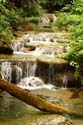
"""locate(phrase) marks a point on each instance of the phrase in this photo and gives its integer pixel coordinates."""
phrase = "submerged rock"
(27, 48)
(58, 120)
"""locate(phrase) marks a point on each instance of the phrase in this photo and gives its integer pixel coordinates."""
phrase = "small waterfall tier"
(57, 74)
(33, 82)
(14, 71)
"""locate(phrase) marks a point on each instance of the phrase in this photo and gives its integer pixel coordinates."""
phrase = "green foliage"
(3, 1)
(14, 18)
(72, 20)
(77, 7)
(6, 38)
(72, 23)
(33, 10)
(4, 24)
(32, 19)
(53, 5)
(75, 50)
(30, 7)
(42, 3)
(12, 13)
(77, 30)
(9, 19)
(61, 21)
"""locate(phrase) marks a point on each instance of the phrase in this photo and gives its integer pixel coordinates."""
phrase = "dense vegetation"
(70, 19)
(12, 13)
(54, 5)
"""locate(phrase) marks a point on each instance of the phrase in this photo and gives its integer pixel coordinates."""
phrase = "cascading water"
(14, 71)
(31, 68)
(51, 73)
(65, 80)
(18, 73)
(6, 70)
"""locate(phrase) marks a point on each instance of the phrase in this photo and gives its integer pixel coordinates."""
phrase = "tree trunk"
(33, 99)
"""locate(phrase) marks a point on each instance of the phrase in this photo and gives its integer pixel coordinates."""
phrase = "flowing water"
(15, 112)
(41, 77)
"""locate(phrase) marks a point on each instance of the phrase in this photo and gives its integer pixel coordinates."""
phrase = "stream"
(15, 112)
(36, 65)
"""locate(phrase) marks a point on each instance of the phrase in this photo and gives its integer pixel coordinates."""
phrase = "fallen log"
(33, 99)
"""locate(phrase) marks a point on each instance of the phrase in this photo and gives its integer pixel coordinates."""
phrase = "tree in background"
(54, 5)
(12, 13)
(30, 7)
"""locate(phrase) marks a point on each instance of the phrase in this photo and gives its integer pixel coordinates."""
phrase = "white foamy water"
(48, 86)
(32, 83)
(35, 54)
(6, 70)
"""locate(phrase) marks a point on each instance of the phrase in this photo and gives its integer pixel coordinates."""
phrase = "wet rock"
(60, 121)
(1, 75)
(6, 50)
(29, 47)
(66, 80)
(26, 26)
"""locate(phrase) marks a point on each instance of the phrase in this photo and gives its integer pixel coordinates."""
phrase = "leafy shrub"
(42, 3)
(13, 13)
(54, 5)
(14, 18)
(74, 25)
(77, 30)
(77, 7)
(32, 19)
(68, 20)
(9, 20)
(6, 37)
(73, 22)
(60, 21)
(4, 23)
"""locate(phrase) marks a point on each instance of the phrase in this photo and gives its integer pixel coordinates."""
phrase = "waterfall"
(18, 73)
(51, 73)
(14, 71)
(6, 70)
(31, 68)
(65, 80)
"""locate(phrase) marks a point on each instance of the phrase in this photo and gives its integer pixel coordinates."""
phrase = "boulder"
(6, 50)
(27, 48)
